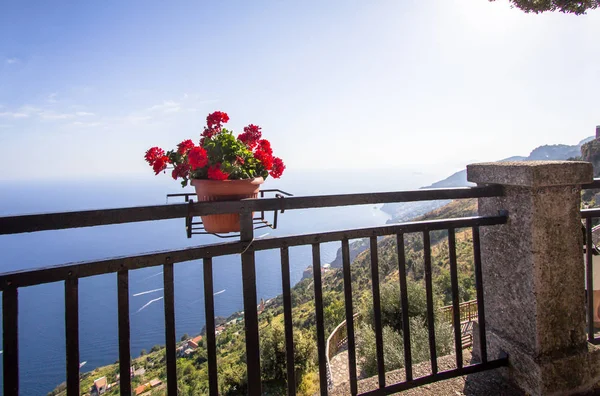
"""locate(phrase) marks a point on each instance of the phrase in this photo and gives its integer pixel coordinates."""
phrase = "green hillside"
(192, 370)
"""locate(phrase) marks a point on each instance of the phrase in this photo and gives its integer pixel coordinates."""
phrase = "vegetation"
(231, 360)
(576, 7)
(220, 155)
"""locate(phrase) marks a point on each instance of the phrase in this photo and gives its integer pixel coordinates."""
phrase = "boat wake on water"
(151, 276)
(146, 292)
(148, 303)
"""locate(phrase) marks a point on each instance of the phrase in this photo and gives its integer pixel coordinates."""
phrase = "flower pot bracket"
(195, 227)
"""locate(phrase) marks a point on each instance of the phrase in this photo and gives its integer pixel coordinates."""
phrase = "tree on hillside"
(272, 354)
(577, 7)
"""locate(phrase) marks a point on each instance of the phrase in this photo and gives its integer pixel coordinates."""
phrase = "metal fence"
(246, 248)
(590, 250)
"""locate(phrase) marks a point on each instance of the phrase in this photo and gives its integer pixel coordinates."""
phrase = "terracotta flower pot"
(225, 190)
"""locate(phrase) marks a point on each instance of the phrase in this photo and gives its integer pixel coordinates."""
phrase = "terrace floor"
(485, 383)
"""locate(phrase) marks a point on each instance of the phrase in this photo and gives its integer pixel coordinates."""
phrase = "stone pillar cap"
(531, 173)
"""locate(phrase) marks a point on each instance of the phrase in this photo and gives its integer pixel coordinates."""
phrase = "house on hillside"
(139, 372)
(100, 386)
(141, 389)
(147, 386)
(194, 342)
(191, 343)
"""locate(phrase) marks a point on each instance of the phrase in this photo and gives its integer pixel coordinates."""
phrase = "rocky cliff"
(588, 147)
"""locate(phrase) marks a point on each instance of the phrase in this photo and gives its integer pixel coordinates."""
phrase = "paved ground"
(339, 368)
(485, 383)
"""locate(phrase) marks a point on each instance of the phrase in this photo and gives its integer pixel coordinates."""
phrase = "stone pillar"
(533, 275)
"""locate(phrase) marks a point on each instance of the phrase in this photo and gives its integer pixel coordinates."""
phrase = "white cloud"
(11, 114)
(86, 124)
(11, 61)
(51, 115)
(52, 98)
(84, 114)
(167, 106)
(136, 119)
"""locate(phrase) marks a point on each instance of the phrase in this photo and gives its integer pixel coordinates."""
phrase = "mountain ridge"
(405, 211)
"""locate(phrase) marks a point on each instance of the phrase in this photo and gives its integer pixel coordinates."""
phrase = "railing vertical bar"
(72, 334)
(287, 317)
(250, 310)
(211, 343)
(589, 277)
(479, 289)
(10, 335)
(377, 312)
(349, 316)
(455, 297)
(404, 305)
(170, 342)
(430, 308)
(316, 256)
(124, 333)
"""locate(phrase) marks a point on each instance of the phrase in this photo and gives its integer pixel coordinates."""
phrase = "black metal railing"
(590, 251)
(246, 248)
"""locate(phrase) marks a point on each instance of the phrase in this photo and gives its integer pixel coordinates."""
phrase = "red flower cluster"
(264, 145)
(157, 159)
(181, 170)
(215, 173)
(265, 158)
(207, 134)
(214, 123)
(160, 164)
(221, 157)
(153, 154)
(185, 146)
(197, 158)
(250, 136)
(216, 119)
(278, 168)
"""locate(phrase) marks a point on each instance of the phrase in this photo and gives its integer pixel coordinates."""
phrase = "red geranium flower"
(153, 154)
(264, 145)
(181, 170)
(208, 132)
(250, 136)
(215, 173)
(265, 158)
(278, 168)
(214, 120)
(185, 146)
(250, 154)
(160, 164)
(197, 158)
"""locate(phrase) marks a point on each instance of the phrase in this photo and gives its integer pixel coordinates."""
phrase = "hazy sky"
(86, 87)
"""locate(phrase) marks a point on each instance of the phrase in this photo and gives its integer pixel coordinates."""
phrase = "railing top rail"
(144, 260)
(593, 185)
(90, 218)
(587, 213)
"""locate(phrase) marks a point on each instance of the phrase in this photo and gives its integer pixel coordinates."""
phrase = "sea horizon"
(42, 325)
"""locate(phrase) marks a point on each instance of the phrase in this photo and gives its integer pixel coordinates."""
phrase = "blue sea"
(41, 308)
